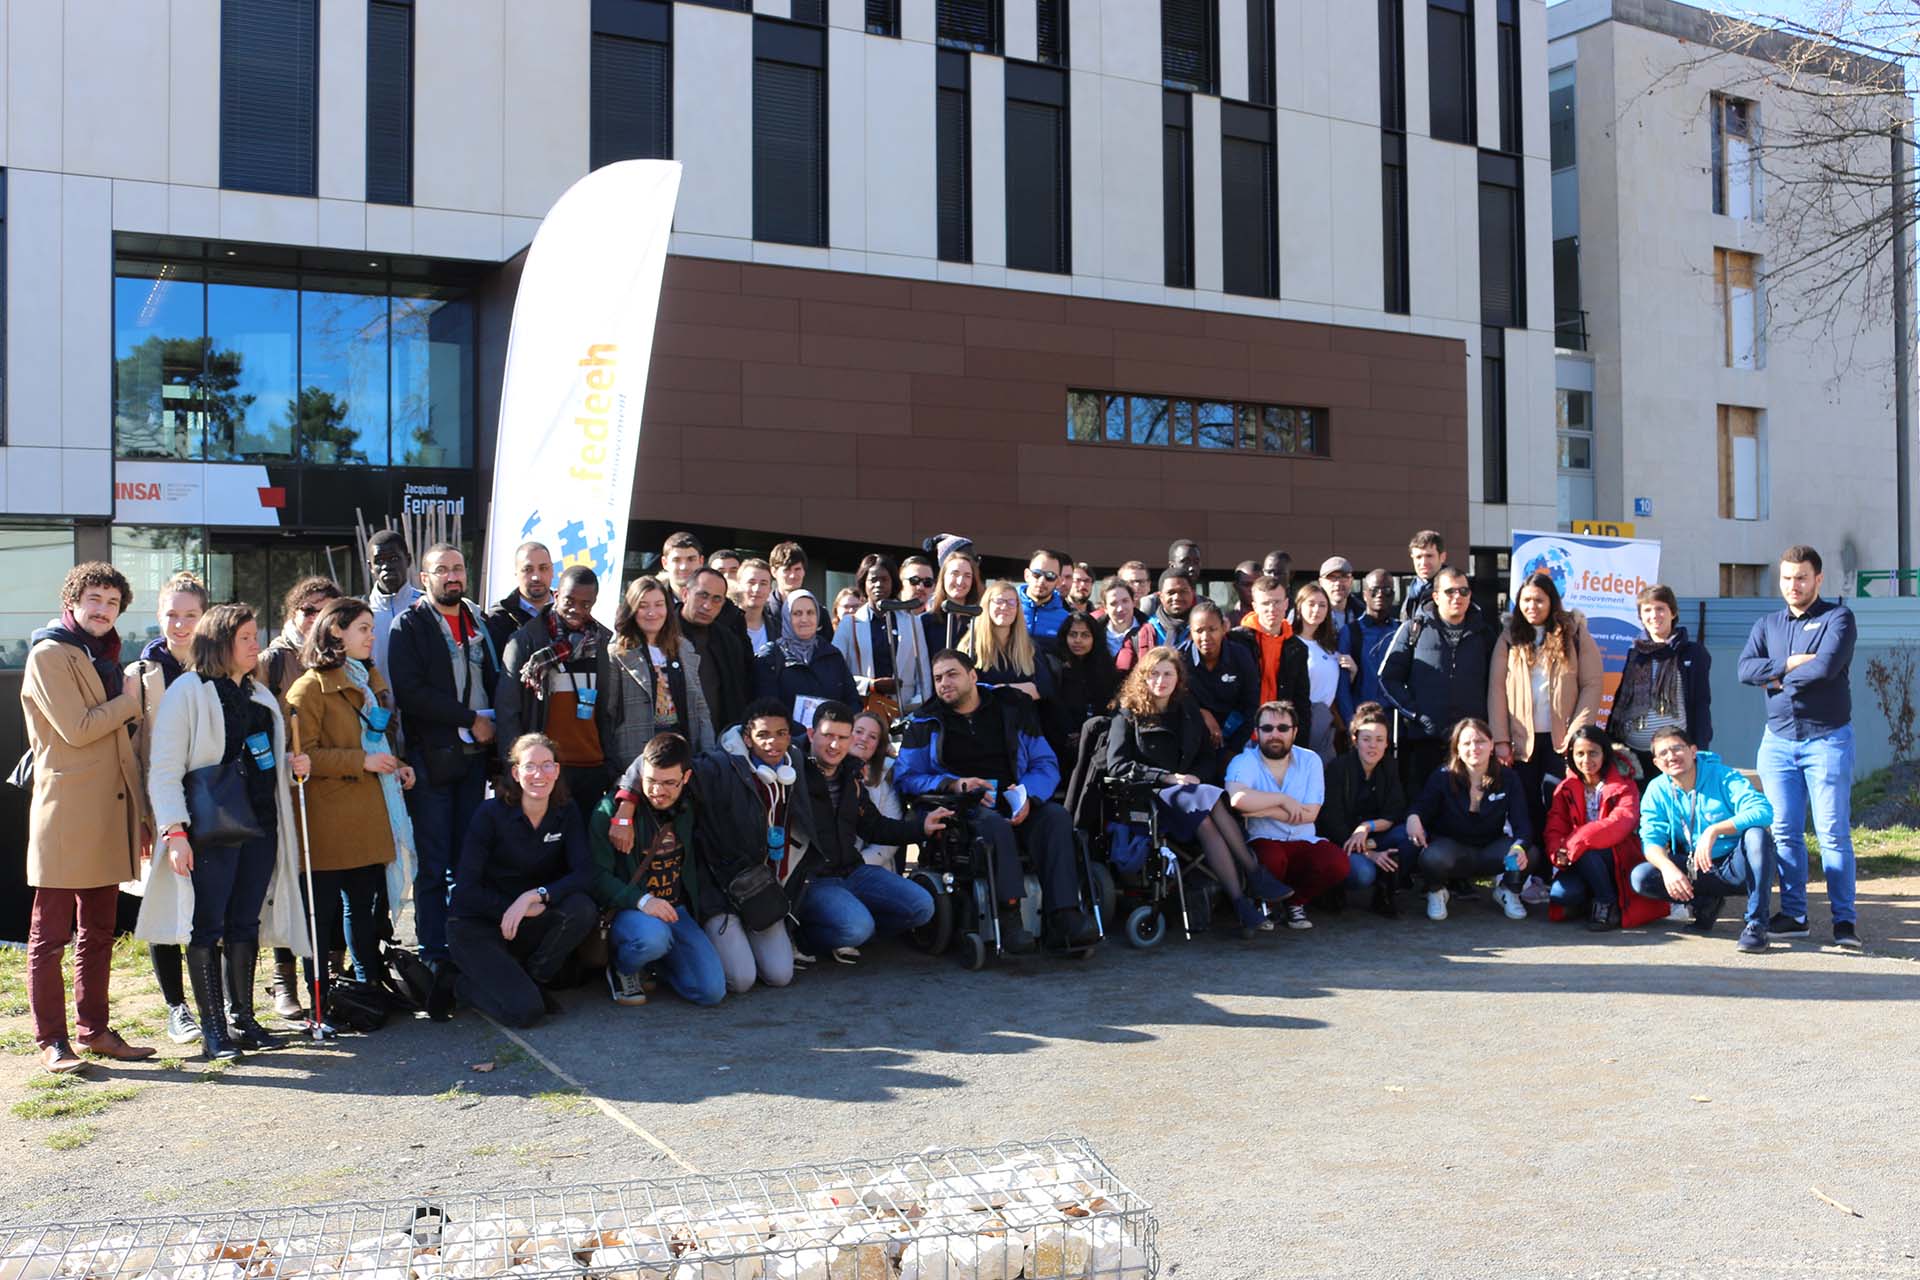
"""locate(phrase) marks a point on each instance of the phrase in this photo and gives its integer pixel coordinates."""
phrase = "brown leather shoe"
(60, 1058)
(109, 1044)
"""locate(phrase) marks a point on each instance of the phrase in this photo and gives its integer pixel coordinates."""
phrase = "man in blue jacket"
(1703, 828)
(1040, 598)
(969, 739)
(1801, 656)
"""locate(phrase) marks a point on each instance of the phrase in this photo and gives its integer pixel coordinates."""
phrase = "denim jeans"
(682, 949)
(1362, 871)
(1587, 881)
(1748, 869)
(230, 884)
(1818, 771)
(845, 911)
(440, 817)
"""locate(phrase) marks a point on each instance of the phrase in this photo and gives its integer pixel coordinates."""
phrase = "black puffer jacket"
(730, 822)
(1436, 674)
(839, 823)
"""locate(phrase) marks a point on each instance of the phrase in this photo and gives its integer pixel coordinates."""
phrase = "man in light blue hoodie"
(1704, 830)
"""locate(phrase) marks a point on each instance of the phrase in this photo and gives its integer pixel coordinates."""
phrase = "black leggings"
(1225, 847)
(166, 971)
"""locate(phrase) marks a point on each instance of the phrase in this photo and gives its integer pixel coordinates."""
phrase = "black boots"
(247, 1033)
(203, 972)
(287, 988)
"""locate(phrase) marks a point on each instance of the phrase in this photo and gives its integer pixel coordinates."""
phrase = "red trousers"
(55, 912)
(1310, 867)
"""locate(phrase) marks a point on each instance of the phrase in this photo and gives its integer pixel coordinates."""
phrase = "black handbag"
(757, 897)
(219, 810)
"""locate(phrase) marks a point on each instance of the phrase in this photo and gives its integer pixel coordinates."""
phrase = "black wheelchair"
(1140, 880)
(956, 866)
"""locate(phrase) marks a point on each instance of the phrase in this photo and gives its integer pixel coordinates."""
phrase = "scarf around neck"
(799, 652)
(103, 652)
(373, 743)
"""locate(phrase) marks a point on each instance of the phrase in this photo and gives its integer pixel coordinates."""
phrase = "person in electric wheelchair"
(1159, 737)
(974, 739)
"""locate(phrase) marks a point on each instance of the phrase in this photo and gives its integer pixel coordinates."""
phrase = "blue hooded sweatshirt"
(1670, 817)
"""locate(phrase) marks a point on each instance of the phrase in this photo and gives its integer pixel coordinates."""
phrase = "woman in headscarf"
(801, 664)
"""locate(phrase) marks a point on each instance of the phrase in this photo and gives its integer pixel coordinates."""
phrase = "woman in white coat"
(227, 897)
(886, 650)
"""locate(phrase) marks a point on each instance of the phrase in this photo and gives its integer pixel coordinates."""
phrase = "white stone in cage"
(807, 1262)
(988, 1255)
(642, 1257)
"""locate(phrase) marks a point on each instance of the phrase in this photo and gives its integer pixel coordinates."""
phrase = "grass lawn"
(1886, 821)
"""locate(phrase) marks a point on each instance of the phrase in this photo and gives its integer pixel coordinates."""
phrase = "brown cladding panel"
(880, 410)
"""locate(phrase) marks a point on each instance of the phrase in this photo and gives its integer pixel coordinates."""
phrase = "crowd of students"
(707, 793)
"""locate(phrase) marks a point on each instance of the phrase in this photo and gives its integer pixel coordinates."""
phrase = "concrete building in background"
(1698, 401)
(1092, 273)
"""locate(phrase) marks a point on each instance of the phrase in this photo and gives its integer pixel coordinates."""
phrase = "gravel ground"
(1475, 1098)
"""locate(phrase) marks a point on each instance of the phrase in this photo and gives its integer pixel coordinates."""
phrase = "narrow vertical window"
(1450, 70)
(1736, 281)
(968, 24)
(1051, 20)
(1190, 45)
(269, 94)
(883, 17)
(1507, 52)
(789, 132)
(1502, 260)
(1393, 65)
(1493, 415)
(1740, 463)
(1573, 423)
(390, 102)
(1393, 222)
(1176, 187)
(1733, 130)
(1260, 76)
(630, 82)
(1037, 167)
(1247, 195)
(953, 159)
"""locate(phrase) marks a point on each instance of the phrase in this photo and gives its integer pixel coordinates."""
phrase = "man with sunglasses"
(917, 575)
(1278, 790)
(1435, 673)
(1040, 599)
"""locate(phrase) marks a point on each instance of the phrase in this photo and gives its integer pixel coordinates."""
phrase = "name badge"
(261, 745)
(776, 843)
(553, 837)
(583, 703)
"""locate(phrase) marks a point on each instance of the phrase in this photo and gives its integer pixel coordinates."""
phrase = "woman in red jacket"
(1593, 837)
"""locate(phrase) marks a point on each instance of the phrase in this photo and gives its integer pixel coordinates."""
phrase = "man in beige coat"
(81, 711)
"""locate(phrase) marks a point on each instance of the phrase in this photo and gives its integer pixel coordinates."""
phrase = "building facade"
(1087, 272)
(1707, 395)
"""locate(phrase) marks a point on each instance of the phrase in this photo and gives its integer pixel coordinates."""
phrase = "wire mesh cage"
(1049, 1210)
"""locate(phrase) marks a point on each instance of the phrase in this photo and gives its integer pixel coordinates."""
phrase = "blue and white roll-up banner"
(576, 375)
(1602, 578)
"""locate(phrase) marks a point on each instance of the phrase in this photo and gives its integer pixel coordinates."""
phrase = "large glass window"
(229, 364)
(432, 379)
(253, 346)
(149, 555)
(343, 373)
(1111, 417)
(33, 562)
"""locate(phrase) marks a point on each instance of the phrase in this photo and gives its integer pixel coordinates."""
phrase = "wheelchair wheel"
(1106, 895)
(934, 936)
(973, 952)
(1146, 926)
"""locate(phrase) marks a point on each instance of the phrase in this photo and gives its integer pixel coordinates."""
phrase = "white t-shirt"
(1542, 690)
(1323, 674)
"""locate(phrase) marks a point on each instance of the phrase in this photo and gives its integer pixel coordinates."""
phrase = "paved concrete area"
(1474, 1098)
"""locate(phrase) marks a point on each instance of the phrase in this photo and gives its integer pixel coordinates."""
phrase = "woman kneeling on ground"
(1593, 838)
(520, 903)
(1471, 821)
(357, 821)
(1159, 738)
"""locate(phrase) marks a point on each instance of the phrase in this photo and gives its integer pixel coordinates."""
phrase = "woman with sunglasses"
(357, 823)
(520, 903)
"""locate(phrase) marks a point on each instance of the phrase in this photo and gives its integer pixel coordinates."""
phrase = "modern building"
(1706, 398)
(1095, 273)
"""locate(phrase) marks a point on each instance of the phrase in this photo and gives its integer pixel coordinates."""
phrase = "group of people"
(709, 792)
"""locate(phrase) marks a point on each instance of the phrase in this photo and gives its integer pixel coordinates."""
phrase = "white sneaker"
(1682, 911)
(1509, 901)
(1297, 917)
(1437, 904)
(846, 955)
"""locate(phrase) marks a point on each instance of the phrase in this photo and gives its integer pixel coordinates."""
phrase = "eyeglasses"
(919, 582)
(1045, 575)
(1339, 575)
(1456, 592)
(446, 573)
(1276, 728)
(310, 610)
(546, 768)
(1375, 591)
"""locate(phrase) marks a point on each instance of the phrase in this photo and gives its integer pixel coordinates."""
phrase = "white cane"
(316, 1025)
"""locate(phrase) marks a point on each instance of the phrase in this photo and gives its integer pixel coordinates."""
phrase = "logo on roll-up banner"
(576, 374)
(1602, 578)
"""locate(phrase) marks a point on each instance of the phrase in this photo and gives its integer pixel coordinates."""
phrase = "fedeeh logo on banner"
(572, 542)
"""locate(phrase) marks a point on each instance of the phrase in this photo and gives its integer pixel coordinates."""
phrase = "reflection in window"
(159, 353)
(249, 389)
(149, 555)
(1149, 420)
(343, 375)
(1097, 417)
(32, 563)
(432, 379)
(1215, 422)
